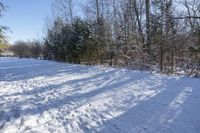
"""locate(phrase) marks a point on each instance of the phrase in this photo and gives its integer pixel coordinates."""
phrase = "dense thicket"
(128, 33)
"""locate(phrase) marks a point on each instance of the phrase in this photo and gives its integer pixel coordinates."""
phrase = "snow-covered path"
(42, 96)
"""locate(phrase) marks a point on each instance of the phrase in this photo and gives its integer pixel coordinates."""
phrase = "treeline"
(139, 34)
(28, 49)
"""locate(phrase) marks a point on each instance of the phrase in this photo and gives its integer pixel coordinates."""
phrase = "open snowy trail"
(48, 97)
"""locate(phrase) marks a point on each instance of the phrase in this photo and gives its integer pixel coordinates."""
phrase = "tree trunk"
(147, 3)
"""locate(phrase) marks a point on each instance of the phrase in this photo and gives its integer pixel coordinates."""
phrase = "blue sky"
(26, 18)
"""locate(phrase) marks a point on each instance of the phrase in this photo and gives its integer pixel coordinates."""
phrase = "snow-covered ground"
(43, 96)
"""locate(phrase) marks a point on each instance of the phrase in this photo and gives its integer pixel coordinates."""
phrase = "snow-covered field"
(42, 96)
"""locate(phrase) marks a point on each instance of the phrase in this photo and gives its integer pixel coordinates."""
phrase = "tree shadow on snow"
(174, 110)
(38, 100)
(160, 113)
(23, 69)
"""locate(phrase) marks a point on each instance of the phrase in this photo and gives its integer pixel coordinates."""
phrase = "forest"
(161, 35)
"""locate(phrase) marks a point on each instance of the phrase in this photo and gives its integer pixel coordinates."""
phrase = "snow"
(45, 97)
